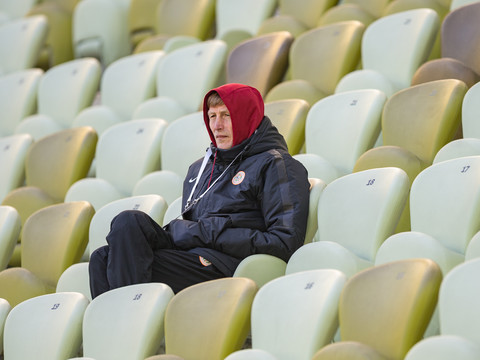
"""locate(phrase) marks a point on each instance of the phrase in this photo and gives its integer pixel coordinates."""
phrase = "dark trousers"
(140, 251)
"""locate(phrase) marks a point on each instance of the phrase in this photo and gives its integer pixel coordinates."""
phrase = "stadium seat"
(100, 30)
(318, 59)
(10, 10)
(260, 62)
(460, 31)
(53, 238)
(296, 16)
(75, 278)
(318, 167)
(13, 150)
(21, 41)
(125, 84)
(341, 127)
(473, 248)
(124, 154)
(459, 318)
(384, 310)
(177, 23)
(297, 314)
(173, 211)
(289, 116)
(10, 225)
(221, 306)
(52, 165)
(45, 327)
(63, 91)
(142, 20)
(165, 183)
(237, 21)
(18, 97)
(375, 8)
(196, 67)
(346, 12)
(393, 47)
(251, 354)
(316, 188)
(153, 205)
(192, 144)
(58, 47)
(358, 212)
(126, 323)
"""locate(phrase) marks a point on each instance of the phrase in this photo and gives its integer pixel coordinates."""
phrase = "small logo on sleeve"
(204, 261)
(238, 178)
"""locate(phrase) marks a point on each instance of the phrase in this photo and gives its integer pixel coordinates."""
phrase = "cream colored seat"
(196, 67)
(126, 323)
(4, 311)
(10, 225)
(75, 278)
(45, 327)
(125, 84)
(297, 314)
(20, 43)
(18, 97)
(125, 153)
(393, 47)
(64, 90)
(165, 183)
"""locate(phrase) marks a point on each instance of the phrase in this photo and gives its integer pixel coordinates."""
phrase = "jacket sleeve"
(284, 197)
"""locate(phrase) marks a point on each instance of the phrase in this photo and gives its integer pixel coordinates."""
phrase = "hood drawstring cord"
(213, 166)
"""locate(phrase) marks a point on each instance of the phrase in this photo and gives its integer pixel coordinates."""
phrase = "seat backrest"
(194, 67)
(190, 145)
(173, 211)
(424, 117)
(18, 97)
(142, 20)
(129, 81)
(360, 210)
(289, 117)
(153, 205)
(10, 225)
(45, 327)
(470, 110)
(246, 15)
(295, 315)
(54, 238)
(5, 308)
(316, 188)
(307, 12)
(341, 127)
(128, 151)
(108, 330)
(67, 88)
(388, 307)
(186, 17)
(56, 161)
(376, 8)
(324, 55)
(75, 278)
(13, 150)
(165, 183)
(445, 202)
(16, 9)
(223, 309)
(260, 62)
(460, 34)
(458, 301)
(21, 41)
(396, 45)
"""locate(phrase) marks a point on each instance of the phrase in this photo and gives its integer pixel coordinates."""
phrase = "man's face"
(221, 126)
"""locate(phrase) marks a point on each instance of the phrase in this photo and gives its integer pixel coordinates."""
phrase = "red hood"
(246, 108)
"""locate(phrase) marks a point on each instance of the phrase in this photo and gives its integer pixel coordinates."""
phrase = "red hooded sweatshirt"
(246, 108)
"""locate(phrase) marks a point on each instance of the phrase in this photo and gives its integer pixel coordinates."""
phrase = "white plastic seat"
(341, 127)
(124, 154)
(10, 226)
(18, 97)
(100, 30)
(165, 183)
(64, 90)
(45, 327)
(196, 67)
(295, 315)
(75, 279)
(4, 311)
(21, 41)
(394, 46)
(181, 148)
(126, 323)
(125, 84)
(13, 150)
